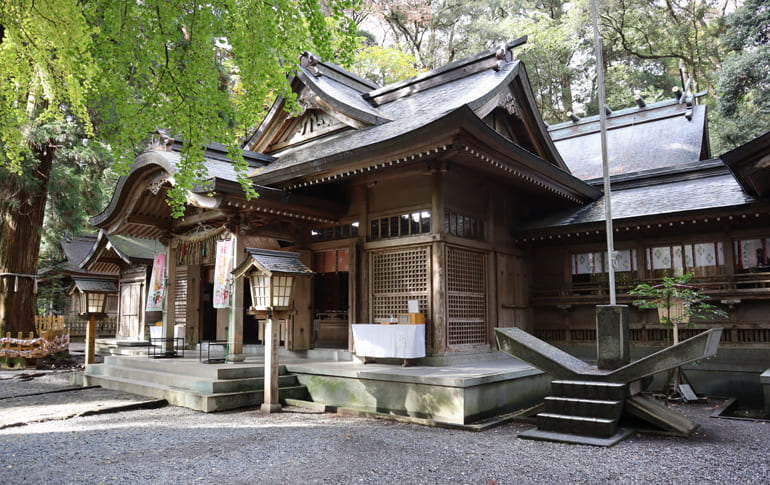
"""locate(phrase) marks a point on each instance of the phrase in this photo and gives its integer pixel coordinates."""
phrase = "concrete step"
(334, 355)
(128, 351)
(191, 367)
(578, 425)
(608, 391)
(186, 398)
(591, 408)
(191, 382)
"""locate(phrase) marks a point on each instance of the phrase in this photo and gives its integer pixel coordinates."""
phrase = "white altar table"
(389, 341)
(156, 331)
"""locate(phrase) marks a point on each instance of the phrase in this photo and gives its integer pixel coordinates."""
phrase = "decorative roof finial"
(310, 62)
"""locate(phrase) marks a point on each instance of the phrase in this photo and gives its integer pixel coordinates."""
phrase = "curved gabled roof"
(342, 98)
(109, 253)
(483, 83)
(146, 165)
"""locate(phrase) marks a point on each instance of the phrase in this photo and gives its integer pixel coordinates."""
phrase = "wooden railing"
(74, 325)
(656, 335)
(738, 285)
(50, 325)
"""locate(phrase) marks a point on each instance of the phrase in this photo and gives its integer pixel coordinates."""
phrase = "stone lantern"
(271, 276)
(92, 303)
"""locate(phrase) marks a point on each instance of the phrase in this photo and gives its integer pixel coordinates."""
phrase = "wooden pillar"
(363, 276)
(90, 338)
(270, 403)
(493, 316)
(193, 311)
(169, 313)
(352, 291)
(235, 320)
(435, 331)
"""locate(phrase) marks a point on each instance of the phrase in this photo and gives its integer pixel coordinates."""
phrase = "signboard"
(223, 277)
(157, 284)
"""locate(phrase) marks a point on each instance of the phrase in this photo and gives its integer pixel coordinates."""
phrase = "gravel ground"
(178, 445)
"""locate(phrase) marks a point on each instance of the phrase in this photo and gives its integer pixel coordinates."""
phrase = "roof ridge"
(630, 110)
(491, 58)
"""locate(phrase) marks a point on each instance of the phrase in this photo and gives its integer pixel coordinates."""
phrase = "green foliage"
(743, 84)
(383, 65)
(204, 71)
(45, 54)
(672, 289)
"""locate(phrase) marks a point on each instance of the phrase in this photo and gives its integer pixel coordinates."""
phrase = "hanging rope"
(22, 275)
(196, 244)
(199, 234)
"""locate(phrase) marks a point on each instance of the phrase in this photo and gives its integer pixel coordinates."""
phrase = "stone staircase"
(579, 411)
(188, 383)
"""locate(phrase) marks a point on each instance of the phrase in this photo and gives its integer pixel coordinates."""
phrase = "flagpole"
(605, 162)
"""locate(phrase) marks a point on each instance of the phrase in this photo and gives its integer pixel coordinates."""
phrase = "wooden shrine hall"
(448, 190)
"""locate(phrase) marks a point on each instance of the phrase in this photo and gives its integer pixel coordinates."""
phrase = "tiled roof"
(651, 200)
(272, 262)
(136, 248)
(638, 139)
(404, 113)
(75, 250)
(95, 285)
(408, 114)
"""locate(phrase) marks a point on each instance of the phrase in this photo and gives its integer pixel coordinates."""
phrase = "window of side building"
(702, 259)
(751, 255)
(592, 268)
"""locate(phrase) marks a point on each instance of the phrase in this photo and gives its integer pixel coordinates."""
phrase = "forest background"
(84, 83)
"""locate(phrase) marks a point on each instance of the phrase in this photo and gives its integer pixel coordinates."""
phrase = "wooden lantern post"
(271, 276)
(92, 297)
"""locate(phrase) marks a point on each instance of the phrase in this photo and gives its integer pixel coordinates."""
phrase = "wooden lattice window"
(331, 233)
(466, 297)
(400, 226)
(397, 277)
(463, 225)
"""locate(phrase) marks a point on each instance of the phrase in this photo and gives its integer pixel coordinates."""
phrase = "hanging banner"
(157, 284)
(223, 276)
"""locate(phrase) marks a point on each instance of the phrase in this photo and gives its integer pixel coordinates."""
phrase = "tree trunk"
(21, 222)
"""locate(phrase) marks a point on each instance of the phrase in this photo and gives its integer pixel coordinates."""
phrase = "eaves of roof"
(750, 163)
(460, 129)
(714, 192)
(417, 118)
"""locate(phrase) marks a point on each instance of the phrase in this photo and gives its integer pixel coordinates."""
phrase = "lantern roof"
(272, 263)
(93, 285)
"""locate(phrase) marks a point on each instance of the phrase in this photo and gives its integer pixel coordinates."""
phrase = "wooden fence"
(74, 325)
(32, 347)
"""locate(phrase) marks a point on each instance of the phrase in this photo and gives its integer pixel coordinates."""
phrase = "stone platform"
(453, 394)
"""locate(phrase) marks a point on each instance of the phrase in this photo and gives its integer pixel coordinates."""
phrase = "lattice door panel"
(466, 297)
(397, 277)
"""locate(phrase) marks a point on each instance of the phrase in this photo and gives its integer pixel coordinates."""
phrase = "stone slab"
(65, 404)
(702, 346)
(536, 434)
(542, 355)
(613, 342)
(658, 415)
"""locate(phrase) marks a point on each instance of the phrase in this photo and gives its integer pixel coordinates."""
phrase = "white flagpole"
(605, 162)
